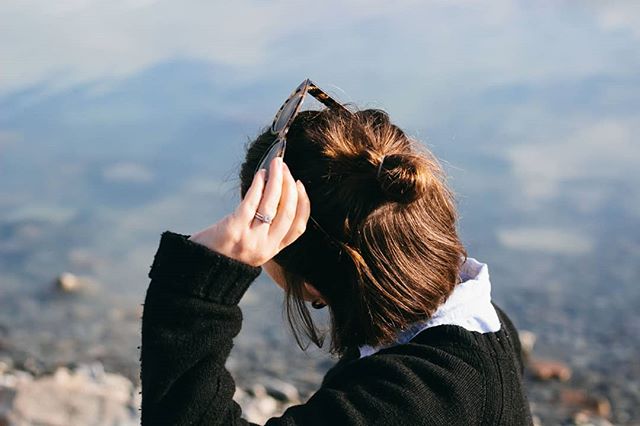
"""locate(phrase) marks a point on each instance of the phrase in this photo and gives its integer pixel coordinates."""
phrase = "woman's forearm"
(190, 317)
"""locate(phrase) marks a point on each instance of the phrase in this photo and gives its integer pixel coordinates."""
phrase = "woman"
(419, 340)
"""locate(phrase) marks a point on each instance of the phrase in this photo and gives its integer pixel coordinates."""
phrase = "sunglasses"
(287, 113)
(285, 116)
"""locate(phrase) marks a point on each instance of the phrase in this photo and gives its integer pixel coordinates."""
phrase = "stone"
(33, 365)
(586, 419)
(6, 364)
(585, 404)
(266, 399)
(257, 406)
(536, 420)
(68, 398)
(281, 390)
(72, 283)
(549, 369)
(258, 390)
(527, 341)
(68, 282)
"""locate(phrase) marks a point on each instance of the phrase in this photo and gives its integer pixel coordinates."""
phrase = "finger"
(286, 209)
(303, 211)
(273, 189)
(249, 204)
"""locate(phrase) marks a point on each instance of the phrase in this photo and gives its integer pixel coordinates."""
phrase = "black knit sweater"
(445, 375)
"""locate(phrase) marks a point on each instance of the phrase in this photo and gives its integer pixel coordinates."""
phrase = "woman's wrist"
(203, 237)
(216, 239)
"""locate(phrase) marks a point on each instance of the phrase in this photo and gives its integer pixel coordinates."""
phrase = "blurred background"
(122, 119)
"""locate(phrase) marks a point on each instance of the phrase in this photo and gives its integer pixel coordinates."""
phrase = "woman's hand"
(241, 236)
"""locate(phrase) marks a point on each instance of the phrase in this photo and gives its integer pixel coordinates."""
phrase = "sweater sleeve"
(190, 318)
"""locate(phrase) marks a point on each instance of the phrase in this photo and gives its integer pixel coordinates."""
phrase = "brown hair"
(393, 254)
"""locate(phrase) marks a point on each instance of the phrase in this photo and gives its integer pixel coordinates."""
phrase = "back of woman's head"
(392, 255)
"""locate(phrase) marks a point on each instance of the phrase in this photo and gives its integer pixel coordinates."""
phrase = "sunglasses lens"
(287, 111)
(276, 150)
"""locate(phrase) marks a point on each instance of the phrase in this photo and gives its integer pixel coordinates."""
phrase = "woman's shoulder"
(418, 382)
(445, 350)
(466, 371)
(445, 374)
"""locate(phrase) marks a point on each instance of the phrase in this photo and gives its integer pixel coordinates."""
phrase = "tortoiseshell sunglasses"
(283, 119)
(287, 113)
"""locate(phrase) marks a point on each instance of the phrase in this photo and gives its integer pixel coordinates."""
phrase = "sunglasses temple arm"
(324, 98)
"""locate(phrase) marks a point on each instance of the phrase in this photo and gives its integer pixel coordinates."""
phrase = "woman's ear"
(311, 294)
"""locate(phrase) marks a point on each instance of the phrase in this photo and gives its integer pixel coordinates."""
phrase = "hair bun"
(403, 177)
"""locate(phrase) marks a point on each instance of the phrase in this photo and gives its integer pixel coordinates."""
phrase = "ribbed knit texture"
(446, 375)
(192, 268)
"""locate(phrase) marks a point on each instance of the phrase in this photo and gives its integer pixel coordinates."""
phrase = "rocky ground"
(39, 385)
(86, 395)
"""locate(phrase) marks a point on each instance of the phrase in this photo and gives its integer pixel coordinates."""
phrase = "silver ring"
(264, 218)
